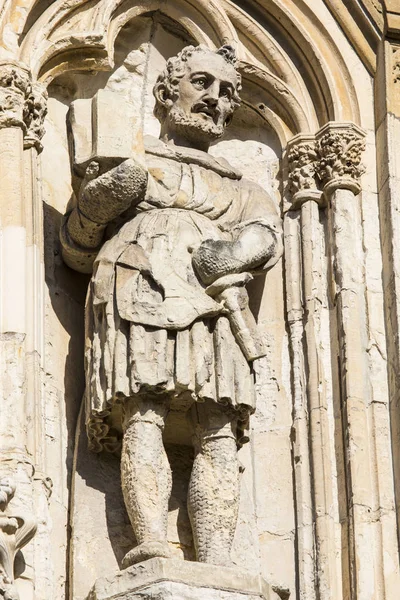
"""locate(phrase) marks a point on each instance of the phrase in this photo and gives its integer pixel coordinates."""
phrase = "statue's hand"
(215, 258)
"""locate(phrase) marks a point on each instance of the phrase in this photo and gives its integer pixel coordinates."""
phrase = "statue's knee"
(145, 410)
(213, 425)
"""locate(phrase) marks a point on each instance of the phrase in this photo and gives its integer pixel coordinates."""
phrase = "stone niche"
(100, 530)
(318, 129)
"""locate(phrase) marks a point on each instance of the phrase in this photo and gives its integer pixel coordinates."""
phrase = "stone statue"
(167, 317)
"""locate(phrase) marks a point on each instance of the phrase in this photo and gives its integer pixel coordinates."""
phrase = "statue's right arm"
(106, 192)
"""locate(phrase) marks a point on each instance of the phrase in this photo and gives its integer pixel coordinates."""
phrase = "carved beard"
(194, 125)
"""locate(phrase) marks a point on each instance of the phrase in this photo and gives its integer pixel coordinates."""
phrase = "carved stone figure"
(167, 322)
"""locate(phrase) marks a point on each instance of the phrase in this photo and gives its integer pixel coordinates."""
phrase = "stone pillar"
(312, 443)
(19, 118)
(35, 400)
(387, 102)
(299, 162)
(36, 108)
(340, 147)
(14, 88)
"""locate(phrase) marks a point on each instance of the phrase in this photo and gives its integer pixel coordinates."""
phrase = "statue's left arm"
(257, 239)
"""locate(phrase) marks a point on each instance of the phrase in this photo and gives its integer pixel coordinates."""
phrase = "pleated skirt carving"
(123, 359)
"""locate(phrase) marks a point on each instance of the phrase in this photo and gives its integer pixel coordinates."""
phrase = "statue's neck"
(174, 138)
(190, 155)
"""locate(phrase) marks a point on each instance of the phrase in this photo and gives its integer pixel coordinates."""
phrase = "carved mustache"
(205, 108)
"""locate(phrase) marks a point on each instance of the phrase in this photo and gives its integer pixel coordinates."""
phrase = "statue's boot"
(146, 477)
(145, 551)
(213, 498)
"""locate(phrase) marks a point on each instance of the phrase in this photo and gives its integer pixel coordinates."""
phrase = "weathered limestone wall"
(320, 482)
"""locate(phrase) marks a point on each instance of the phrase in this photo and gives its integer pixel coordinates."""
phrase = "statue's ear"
(228, 120)
(161, 94)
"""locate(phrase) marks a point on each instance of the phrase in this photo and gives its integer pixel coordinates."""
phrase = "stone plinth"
(170, 579)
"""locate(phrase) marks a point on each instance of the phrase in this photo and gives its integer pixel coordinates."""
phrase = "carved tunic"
(151, 327)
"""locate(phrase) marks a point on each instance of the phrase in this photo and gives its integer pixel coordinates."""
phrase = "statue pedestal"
(171, 579)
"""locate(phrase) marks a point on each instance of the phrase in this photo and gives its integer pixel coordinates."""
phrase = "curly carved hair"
(175, 70)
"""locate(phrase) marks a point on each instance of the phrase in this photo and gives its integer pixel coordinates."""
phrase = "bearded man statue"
(167, 317)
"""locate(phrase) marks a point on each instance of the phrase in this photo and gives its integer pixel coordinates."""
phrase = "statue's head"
(197, 93)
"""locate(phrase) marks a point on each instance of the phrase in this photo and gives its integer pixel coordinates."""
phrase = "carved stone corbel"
(339, 147)
(301, 157)
(15, 88)
(16, 530)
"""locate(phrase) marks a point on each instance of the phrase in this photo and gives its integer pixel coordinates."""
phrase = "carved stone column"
(35, 112)
(340, 147)
(14, 91)
(19, 118)
(22, 111)
(387, 120)
(300, 157)
(35, 396)
(313, 460)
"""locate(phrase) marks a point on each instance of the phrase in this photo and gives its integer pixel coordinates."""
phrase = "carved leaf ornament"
(302, 160)
(22, 104)
(340, 156)
(323, 162)
(15, 531)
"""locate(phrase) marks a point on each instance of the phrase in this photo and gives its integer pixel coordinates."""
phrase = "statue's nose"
(212, 95)
(212, 100)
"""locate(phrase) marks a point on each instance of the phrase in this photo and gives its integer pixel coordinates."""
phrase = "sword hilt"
(230, 291)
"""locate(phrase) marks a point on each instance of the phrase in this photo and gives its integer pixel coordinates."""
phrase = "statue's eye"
(225, 92)
(200, 83)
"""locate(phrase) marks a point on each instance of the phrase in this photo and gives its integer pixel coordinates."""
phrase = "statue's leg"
(213, 498)
(146, 477)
